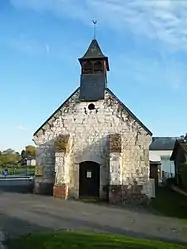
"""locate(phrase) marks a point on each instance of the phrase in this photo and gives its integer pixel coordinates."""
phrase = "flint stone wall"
(90, 134)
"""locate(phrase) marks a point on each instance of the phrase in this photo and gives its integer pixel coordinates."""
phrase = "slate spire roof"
(94, 52)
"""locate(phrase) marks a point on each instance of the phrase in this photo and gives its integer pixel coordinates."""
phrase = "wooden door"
(89, 179)
(154, 172)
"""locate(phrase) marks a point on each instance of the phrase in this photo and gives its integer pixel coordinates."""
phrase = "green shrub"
(183, 175)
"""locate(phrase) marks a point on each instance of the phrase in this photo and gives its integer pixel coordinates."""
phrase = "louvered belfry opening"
(94, 67)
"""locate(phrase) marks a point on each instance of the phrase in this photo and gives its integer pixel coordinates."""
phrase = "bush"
(183, 175)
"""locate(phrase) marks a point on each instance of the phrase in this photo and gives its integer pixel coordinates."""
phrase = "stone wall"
(90, 132)
(62, 163)
(116, 168)
(45, 159)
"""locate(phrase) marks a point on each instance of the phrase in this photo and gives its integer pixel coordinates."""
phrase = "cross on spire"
(94, 27)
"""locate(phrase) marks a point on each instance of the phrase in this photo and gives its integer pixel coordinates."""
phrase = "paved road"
(21, 184)
(25, 213)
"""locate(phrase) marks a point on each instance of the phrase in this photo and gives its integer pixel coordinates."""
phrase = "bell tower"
(94, 67)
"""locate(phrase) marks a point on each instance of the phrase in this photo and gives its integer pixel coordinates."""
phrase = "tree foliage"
(183, 175)
(11, 157)
(29, 151)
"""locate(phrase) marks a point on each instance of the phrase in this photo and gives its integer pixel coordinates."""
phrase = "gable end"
(35, 134)
(129, 112)
(112, 94)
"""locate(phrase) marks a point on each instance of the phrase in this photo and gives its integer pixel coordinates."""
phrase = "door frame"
(89, 165)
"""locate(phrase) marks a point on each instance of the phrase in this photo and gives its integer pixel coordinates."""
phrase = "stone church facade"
(93, 146)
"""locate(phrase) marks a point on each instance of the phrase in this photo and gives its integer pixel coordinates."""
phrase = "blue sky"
(40, 42)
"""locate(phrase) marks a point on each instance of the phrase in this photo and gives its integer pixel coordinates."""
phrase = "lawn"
(81, 240)
(170, 203)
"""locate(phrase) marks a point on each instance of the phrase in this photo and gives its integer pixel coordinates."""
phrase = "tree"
(9, 156)
(29, 151)
(23, 154)
(9, 152)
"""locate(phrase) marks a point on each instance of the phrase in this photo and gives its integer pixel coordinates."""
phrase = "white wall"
(155, 155)
(164, 157)
(31, 162)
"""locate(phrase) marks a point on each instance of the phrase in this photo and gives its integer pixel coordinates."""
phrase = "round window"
(91, 106)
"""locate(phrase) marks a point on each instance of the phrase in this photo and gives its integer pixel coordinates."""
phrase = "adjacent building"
(179, 159)
(161, 167)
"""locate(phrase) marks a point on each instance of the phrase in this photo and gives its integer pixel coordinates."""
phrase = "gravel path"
(24, 213)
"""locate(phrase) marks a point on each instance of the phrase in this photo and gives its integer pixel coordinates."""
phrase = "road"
(25, 213)
(16, 183)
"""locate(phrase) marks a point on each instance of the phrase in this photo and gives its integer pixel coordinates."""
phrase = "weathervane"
(94, 23)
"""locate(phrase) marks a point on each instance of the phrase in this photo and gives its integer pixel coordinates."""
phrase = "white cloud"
(165, 20)
(150, 72)
(22, 128)
(29, 46)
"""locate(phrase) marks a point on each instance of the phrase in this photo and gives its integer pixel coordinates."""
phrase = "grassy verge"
(18, 170)
(69, 240)
(170, 203)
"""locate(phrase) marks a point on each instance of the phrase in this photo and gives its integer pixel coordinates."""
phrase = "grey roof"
(163, 143)
(94, 51)
(92, 87)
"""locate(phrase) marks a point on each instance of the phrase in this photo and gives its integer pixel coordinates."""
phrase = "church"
(93, 146)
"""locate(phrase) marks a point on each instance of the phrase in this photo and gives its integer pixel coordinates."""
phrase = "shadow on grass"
(81, 240)
(79, 224)
(170, 203)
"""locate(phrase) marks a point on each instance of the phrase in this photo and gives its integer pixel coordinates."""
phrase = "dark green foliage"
(183, 175)
(9, 156)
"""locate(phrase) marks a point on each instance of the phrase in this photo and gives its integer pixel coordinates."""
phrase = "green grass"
(81, 240)
(170, 203)
(18, 170)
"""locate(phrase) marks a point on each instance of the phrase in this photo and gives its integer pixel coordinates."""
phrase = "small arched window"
(87, 67)
(98, 66)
